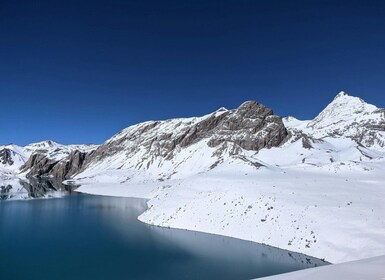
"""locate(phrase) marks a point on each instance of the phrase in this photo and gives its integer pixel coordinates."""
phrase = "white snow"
(368, 269)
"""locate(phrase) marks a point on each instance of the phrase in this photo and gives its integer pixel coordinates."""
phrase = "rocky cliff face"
(41, 165)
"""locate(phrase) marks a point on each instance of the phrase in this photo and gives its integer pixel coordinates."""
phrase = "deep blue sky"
(79, 71)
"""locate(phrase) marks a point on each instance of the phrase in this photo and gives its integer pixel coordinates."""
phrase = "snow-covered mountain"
(313, 186)
(347, 117)
(176, 148)
(348, 129)
(42, 158)
(15, 160)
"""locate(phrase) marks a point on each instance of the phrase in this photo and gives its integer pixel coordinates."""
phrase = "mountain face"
(351, 117)
(160, 147)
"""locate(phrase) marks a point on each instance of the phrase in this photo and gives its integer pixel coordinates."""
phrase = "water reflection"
(33, 188)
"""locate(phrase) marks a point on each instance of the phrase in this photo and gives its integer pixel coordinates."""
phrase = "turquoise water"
(96, 237)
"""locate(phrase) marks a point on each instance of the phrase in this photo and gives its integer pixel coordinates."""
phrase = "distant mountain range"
(176, 148)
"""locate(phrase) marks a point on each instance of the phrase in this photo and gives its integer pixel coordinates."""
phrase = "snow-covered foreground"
(368, 269)
(337, 215)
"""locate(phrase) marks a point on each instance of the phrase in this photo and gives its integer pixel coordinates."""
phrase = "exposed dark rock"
(65, 169)
(306, 142)
(6, 156)
(39, 165)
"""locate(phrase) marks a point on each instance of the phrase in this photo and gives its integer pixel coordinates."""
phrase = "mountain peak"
(345, 98)
(341, 94)
(343, 106)
(43, 144)
(344, 101)
(222, 109)
(352, 117)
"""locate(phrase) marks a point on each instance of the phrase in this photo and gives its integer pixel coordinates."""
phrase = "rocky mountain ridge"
(164, 149)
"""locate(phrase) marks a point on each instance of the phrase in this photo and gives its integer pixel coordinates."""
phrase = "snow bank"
(368, 269)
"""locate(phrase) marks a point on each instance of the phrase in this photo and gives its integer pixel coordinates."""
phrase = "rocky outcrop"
(6, 156)
(252, 127)
(39, 165)
(65, 169)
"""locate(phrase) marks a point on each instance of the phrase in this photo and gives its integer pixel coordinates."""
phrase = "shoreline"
(316, 214)
(368, 267)
(335, 271)
(199, 231)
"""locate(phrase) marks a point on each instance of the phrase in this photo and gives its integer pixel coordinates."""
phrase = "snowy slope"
(12, 157)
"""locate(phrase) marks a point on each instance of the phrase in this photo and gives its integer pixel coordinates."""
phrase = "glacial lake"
(96, 237)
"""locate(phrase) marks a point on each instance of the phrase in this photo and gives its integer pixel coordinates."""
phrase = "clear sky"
(80, 71)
